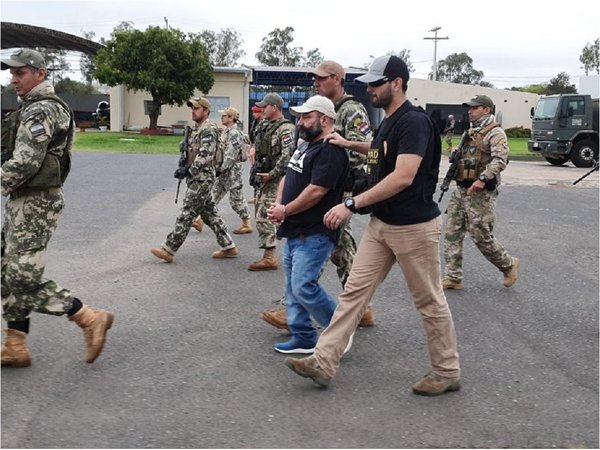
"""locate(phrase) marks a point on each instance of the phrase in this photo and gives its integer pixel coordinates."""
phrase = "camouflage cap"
(24, 57)
(230, 111)
(198, 102)
(316, 103)
(271, 99)
(327, 68)
(480, 100)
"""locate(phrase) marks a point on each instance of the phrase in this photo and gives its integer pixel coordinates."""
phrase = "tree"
(86, 61)
(56, 61)
(560, 84)
(275, 49)
(404, 55)
(590, 57)
(539, 89)
(165, 62)
(313, 58)
(224, 47)
(458, 68)
(68, 86)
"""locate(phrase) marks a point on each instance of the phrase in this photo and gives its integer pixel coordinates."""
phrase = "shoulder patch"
(37, 130)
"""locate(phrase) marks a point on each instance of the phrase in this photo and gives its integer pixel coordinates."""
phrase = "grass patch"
(126, 143)
(517, 149)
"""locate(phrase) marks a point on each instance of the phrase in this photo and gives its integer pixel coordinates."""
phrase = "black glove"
(181, 173)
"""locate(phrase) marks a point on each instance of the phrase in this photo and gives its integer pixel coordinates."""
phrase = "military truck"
(565, 127)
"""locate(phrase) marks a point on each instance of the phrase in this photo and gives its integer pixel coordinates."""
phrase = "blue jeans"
(303, 258)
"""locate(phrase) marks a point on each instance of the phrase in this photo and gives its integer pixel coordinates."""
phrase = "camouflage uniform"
(352, 123)
(281, 148)
(31, 214)
(449, 131)
(198, 198)
(230, 179)
(474, 212)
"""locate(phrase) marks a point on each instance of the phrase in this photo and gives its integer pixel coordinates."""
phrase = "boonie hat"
(24, 57)
(315, 103)
(480, 100)
(197, 102)
(231, 111)
(271, 99)
(386, 68)
(327, 68)
(256, 109)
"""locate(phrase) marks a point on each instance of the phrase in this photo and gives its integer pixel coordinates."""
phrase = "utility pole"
(435, 40)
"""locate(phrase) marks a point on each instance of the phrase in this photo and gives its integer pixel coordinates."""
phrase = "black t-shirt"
(322, 164)
(413, 133)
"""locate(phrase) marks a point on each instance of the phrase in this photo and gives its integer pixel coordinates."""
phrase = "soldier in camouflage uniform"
(352, 122)
(471, 207)
(449, 130)
(36, 158)
(272, 156)
(230, 178)
(199, 175)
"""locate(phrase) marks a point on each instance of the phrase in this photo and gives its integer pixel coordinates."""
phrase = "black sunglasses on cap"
(378, 82)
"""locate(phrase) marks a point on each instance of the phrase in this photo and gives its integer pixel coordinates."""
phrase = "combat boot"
(245, 227)
(95, 324)
(433, 384)
(226, 253)
(368, 318)
(198, 224)
(161, 253)
(14, 351)
(451, 283)
(268, 262)
(308, 368)
(512, 275)
(276, 317)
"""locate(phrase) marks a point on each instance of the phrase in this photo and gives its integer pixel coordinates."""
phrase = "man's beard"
(310, 134)
(383, 100)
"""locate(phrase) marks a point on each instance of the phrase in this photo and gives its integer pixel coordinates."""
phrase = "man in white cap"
(313, 183)
(405, 228)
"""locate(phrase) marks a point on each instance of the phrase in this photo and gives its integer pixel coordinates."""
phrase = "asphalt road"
(189, 363)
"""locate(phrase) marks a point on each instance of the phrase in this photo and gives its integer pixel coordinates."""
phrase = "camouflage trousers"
(198, 201)
(265, 197)
(448, 138)
(29, 222)
(342, 256)
(230, 182)
(473, 213)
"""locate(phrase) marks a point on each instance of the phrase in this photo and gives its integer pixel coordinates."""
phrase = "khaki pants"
(416, 249)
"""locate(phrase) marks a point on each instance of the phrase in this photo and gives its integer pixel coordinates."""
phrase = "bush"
(518, 132)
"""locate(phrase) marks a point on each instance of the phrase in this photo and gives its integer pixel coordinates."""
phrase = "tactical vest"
(265, 148)
(470, 164)
(57, 162)
(194, 146)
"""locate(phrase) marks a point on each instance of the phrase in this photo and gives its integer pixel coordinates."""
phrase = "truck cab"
(565, 127)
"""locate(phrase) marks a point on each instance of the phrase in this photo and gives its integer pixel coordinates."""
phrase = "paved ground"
(189, 363)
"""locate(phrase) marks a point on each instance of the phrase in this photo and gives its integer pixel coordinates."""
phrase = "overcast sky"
(514, 43)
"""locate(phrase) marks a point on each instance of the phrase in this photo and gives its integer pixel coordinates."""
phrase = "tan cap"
(327, 68)
(315, 103)
(197, 102)
(24, 57)
(230, 111)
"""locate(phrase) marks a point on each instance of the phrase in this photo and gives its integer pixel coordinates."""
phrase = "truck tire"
(584, 153)
(556, 161)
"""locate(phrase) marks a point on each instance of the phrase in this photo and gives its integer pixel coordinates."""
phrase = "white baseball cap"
(316, 103)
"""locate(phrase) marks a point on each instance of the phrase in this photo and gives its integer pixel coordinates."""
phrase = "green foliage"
(224, 47)
(86, 61)
(313, 58)
(539, 89)
(68, 86)
(560, 84)
(458, 68)
(404, 55)
(56, 62)
(275, 49)
(518, 132)
(590, 57)
(127, 143)
(165, 62)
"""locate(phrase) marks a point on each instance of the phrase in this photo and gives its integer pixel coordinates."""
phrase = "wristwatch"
(349, 203)
(483, 178)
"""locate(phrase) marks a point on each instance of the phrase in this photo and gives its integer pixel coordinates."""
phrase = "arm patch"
(37, 131)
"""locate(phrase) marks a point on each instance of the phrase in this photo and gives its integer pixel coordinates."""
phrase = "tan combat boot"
(512, 275)
(14, 351)
(198, 224)
(268, 262)
(245, 227)
(161, 253)
(368, 318)
(228, 253)
(275, 317)
(95, 324)
(433, 384)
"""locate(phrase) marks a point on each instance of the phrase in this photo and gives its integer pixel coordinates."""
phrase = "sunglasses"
(379, 82)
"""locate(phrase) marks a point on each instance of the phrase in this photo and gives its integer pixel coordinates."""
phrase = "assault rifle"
(261, 165)
(181, 166)
(596, 167)
(454, 159)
